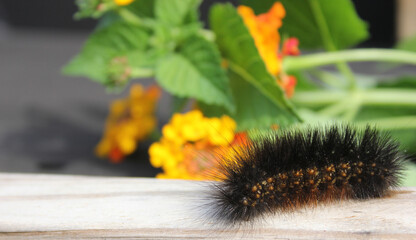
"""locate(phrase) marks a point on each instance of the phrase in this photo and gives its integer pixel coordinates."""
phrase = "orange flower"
(191, 144)
(264, 29)
(130, 120)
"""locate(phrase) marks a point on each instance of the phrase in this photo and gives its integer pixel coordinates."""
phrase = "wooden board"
(51, 206)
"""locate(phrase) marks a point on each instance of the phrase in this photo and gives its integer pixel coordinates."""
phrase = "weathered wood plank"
(50, 206)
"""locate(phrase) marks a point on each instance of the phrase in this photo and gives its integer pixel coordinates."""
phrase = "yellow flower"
(190, 145)
(130, 120)
(123, 2)
(217, 133)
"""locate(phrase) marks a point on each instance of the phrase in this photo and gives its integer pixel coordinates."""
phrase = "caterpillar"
(298, 168)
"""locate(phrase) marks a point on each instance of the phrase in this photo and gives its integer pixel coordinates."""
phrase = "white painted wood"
(51, 206)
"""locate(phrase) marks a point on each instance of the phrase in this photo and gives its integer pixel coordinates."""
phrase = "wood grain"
(52, 207)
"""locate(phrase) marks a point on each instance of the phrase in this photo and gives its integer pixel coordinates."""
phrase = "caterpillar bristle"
(297, 168)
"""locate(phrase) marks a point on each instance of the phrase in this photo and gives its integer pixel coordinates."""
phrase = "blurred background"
(50, 123)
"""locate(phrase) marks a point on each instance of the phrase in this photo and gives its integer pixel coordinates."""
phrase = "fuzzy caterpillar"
(298, 168)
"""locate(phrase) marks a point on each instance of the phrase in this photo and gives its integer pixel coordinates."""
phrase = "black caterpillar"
(298, 168)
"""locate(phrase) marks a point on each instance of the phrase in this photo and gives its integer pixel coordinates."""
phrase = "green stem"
(353, 105)
(328, 78)
(329, 43)
(318, 98)
(207, 34)
(334, 109)
(348, 107)
(386, 97)
(348, 73)
(357, 55)
(379, 97)
(393, 123)
(130, 17)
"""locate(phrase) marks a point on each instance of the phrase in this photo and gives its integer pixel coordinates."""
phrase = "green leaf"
(303, 20)
(108, 19)
(262, 115)
(254, 110)
(175, 12)
(206, 60)
(184, 78)
(238, 47)
(143, 59)
(107, 51)
(143, 8)
(205, 56)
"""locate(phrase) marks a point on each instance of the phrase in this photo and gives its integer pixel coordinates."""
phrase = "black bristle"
(295, 168)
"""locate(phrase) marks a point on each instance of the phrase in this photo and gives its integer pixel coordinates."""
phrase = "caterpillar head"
(243, 199)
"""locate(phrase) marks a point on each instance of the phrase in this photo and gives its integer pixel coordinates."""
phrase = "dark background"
(50, 123)
(57, 14)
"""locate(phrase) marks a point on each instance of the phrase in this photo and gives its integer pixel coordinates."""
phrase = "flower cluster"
(264, 29)
(123, 2)
(130, 120)
(191, 143)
